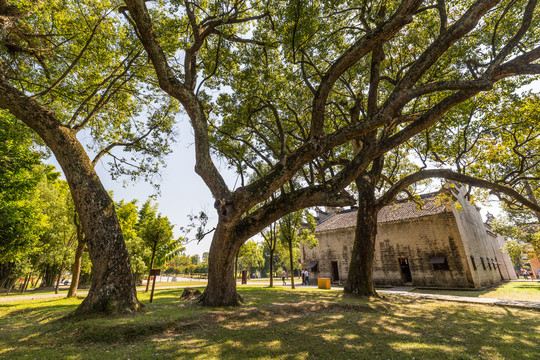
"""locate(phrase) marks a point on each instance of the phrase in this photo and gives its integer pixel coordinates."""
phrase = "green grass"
(64, 289)
(516, 290)
(176, 283)
(37, 291)
(276, 323)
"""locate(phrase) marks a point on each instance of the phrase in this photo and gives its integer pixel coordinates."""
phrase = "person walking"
(306, 277)
(303, 277)
(283, 276)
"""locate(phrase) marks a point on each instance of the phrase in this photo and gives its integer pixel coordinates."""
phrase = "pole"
(153, 286)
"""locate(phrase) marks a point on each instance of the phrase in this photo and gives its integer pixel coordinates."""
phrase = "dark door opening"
(335, 272)
(405, 270)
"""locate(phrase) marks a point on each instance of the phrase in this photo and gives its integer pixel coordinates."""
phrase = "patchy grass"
(275, 323)
(515, 290)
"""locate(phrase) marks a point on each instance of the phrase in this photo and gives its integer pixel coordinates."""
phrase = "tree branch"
(362, 47)
(390, 195)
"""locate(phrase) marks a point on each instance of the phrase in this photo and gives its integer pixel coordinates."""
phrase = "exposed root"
(91, 307)
(207, 300)
(190, 294)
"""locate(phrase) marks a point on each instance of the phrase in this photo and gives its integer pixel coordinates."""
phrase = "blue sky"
(182, 191)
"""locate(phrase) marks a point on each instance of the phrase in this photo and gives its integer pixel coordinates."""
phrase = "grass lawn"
(64, 289)
(273, 324)
(175, 283)
(39, 291)
(516, 290)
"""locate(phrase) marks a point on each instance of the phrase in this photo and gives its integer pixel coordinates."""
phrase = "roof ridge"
(326, 218)
(397, 211)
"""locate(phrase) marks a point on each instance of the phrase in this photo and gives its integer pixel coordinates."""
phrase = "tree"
(250, 256)
(56, 246)
(195, 259)
(129, 217)
(515, 251)
(303, 80)
(62, 72)
(21, 221)
(183, 262)
(156, 232)
(78, 258)
(291, 233)
(270, 238)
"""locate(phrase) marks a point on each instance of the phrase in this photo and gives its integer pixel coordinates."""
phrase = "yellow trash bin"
(324, 283)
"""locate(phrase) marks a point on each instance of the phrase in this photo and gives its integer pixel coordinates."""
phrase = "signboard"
(155, 272)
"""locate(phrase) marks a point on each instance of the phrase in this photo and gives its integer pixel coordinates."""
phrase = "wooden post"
(155, 273)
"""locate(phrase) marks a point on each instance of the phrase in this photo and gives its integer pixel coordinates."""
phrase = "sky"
(182, 191)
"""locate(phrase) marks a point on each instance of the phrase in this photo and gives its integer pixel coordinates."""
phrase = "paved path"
(466, 299)
(4, 299)
(400, 291)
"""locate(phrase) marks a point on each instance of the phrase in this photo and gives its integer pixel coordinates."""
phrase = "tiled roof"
(394, 212)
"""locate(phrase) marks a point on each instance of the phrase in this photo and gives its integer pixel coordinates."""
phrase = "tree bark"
(57, 286)
(236, 268)
(221, 288)
(291, 261)
(113, 286)
(25, 283)
(76, 268)
(360, 278)
(151, 266)
(49, 276)
(271, 268)
(530, 195)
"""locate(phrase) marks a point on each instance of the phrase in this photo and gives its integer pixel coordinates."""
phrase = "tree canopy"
(285, 90)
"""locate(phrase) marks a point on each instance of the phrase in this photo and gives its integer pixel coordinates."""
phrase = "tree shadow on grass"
(354, 333)
(283, 325)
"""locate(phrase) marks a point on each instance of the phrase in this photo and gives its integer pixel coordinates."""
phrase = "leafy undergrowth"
(273, 324)
(515, 290)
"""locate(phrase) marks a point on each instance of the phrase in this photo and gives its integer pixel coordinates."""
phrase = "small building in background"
(440, 243)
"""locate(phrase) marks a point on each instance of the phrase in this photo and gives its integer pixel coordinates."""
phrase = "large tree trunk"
(76, 268)
(360, 278)
(221, 288)
(113, 286)
(271, 268)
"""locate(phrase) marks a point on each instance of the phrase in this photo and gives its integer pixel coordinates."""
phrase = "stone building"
(444, 244)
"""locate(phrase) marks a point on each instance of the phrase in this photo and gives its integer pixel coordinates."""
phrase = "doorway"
(334, 271)
(405, 270)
